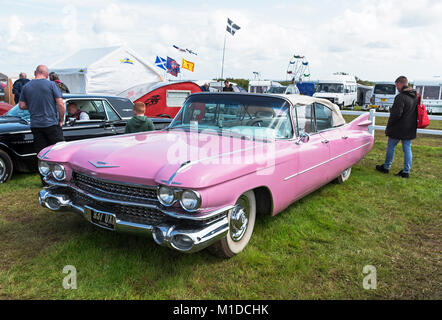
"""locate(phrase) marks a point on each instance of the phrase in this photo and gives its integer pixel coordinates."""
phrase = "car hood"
(162, 157)
(12, 124)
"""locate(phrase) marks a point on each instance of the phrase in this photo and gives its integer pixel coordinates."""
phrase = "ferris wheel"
(298, 69)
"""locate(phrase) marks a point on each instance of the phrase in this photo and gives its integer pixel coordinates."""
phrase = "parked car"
(16, 140)
(4, 107)
(225, 159)
(383, 96)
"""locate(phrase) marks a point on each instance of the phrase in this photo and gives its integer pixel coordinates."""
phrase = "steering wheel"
(255, 123)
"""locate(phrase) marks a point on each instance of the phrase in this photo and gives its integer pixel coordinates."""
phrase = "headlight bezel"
(174, 200)
(178, 197)
(48, 167)
(63, 170)
(197, 199)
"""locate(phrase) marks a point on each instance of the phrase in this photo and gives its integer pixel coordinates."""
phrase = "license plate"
(384, 100)
(103, 219)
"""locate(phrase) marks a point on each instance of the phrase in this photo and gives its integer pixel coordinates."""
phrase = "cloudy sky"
(373, 39)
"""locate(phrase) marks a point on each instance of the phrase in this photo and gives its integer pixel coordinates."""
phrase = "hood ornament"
(101, 164)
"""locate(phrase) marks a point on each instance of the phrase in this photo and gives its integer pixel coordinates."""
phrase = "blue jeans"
(408, 156)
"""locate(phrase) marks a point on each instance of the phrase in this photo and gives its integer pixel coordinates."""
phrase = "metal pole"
(373, 121)
(224, 49)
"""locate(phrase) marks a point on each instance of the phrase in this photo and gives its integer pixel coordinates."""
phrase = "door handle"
(325, 141)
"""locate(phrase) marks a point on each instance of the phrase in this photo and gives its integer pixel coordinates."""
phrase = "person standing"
(401, 126)
(44, 101)
(18, 86)
(205, 87)
(139, 122)
(54, 77)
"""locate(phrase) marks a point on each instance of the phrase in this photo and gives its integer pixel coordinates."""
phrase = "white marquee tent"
(108, 70)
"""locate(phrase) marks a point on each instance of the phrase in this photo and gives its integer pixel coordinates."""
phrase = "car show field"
(315, 249)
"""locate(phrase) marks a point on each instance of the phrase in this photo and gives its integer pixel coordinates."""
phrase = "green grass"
(315, 249)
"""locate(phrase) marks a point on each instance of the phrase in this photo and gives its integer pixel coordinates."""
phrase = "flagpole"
(224, 50)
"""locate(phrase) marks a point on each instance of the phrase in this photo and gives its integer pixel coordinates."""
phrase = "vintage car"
(108, 117)
(202, 181)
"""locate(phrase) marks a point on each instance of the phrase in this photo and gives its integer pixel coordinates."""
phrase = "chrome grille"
(123, 212)
(113, 190)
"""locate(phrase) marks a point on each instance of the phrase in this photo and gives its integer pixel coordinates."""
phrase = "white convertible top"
(297, 99)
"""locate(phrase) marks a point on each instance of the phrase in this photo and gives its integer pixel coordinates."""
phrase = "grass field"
(315, 249)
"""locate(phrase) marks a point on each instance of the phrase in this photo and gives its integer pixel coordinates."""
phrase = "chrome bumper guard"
(172, 236)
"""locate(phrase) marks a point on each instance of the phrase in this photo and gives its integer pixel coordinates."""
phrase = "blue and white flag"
(161, 63)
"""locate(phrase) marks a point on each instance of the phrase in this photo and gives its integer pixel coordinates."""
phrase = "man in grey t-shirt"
(44, 100)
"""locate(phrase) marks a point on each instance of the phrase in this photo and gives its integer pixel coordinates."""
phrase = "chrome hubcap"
(2, 168)
(239, 219)
(346, 172)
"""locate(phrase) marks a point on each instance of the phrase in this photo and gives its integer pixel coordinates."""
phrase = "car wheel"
(241, 222)
(344, 176)
(6, 167)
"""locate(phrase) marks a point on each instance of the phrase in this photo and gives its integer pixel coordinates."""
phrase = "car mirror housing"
(303, 137)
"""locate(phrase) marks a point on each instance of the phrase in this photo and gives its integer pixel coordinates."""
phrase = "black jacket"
(402, 123)
(17, 87)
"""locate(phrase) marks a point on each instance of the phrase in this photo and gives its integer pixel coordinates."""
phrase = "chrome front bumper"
(172, 236)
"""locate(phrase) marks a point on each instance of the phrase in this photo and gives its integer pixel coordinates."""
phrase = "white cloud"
(373, 39)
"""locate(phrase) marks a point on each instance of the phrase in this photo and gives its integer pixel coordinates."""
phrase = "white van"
(431, 92)
(262, 86)
(383, 95)
(339, 89)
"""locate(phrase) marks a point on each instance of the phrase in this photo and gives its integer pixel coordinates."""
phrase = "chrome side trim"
(322, 163)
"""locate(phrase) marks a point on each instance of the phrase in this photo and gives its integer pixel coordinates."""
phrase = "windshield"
(17, 112)
(277, 90)
(330, 88)
(385, 89)
(245, 115)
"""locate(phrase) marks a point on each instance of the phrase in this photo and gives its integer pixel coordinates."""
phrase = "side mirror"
(303, 137)
(71, 121)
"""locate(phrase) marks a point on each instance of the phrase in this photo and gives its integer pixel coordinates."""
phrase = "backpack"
(422, 115)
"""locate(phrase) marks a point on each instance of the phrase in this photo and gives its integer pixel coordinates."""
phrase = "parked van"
(383, 95)
(262, 86)
(339, 89)
(431, 91)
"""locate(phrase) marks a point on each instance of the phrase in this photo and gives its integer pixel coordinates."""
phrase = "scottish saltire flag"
(172, 67)
(161, 63)
(231, 27)
(188, 65)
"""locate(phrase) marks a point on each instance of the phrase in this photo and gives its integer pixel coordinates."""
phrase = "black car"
(108, 116)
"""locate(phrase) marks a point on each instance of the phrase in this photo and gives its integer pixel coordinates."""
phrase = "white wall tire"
(344, 176)
(241, 223)
(6, 167)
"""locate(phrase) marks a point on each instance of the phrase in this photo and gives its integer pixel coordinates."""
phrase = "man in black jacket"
(18, 86)
(402, 126)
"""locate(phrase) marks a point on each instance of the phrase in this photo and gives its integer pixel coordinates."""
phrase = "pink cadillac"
(201, 182)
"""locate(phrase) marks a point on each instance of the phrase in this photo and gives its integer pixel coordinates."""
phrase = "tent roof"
(83, 58)
(3, 77)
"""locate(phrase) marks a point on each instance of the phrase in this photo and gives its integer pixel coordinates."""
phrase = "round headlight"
(190, 200)
(44, 168)
(58, 172)
(166, 196)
